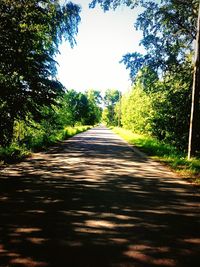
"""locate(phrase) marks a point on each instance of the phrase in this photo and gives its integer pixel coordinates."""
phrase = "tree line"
(159, 102)
(30, 94)
(35, 108)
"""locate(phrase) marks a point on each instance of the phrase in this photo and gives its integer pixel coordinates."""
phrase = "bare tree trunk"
(194, 134)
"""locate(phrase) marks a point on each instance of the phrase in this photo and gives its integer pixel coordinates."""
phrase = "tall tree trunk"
(194, 134)
(119, 111)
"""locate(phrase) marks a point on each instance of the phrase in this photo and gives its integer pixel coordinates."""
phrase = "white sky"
(102, 40)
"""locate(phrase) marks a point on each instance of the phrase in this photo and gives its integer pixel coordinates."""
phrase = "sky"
(102, 40)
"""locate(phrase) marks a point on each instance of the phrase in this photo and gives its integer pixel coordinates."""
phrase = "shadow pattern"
(91, 201)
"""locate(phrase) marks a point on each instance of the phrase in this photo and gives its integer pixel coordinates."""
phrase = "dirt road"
(92, 202)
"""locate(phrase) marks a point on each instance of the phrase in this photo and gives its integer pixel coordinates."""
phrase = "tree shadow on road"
(95, 204)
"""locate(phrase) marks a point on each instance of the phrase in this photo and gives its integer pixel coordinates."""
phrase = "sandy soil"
(91, 201)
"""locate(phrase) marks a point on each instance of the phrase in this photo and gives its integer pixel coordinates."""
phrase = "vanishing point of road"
(92, 201)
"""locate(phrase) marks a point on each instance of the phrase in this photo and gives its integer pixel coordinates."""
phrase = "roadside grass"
(167, 154)
(38, 141)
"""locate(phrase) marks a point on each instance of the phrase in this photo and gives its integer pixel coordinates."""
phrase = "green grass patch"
(165, 153)
(37, 141)
(71, 131)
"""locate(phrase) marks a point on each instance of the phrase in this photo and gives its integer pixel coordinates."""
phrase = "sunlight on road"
(91, 201)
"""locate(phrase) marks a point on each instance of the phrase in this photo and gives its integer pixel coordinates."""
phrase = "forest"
(159, 103)
(35, 108)
(32, 100)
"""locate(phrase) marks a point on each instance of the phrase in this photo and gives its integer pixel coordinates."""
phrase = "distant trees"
(111, 98)
(94, 107)
(30, 32)
(80, 108)
(72, 108)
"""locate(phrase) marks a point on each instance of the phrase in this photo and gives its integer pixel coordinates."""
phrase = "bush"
(36, 140)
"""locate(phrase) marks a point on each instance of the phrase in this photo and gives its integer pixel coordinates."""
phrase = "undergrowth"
(36, 141)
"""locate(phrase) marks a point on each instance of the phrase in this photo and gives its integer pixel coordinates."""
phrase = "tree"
(168, 34)
(111, 97)
(110, 100)
(137, 109)
(95, 111)
(82, 108)
(74, 107)
(30, 32)
(194, 135)
(113, 4)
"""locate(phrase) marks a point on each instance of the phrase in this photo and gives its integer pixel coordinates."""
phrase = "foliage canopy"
(30, 32)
